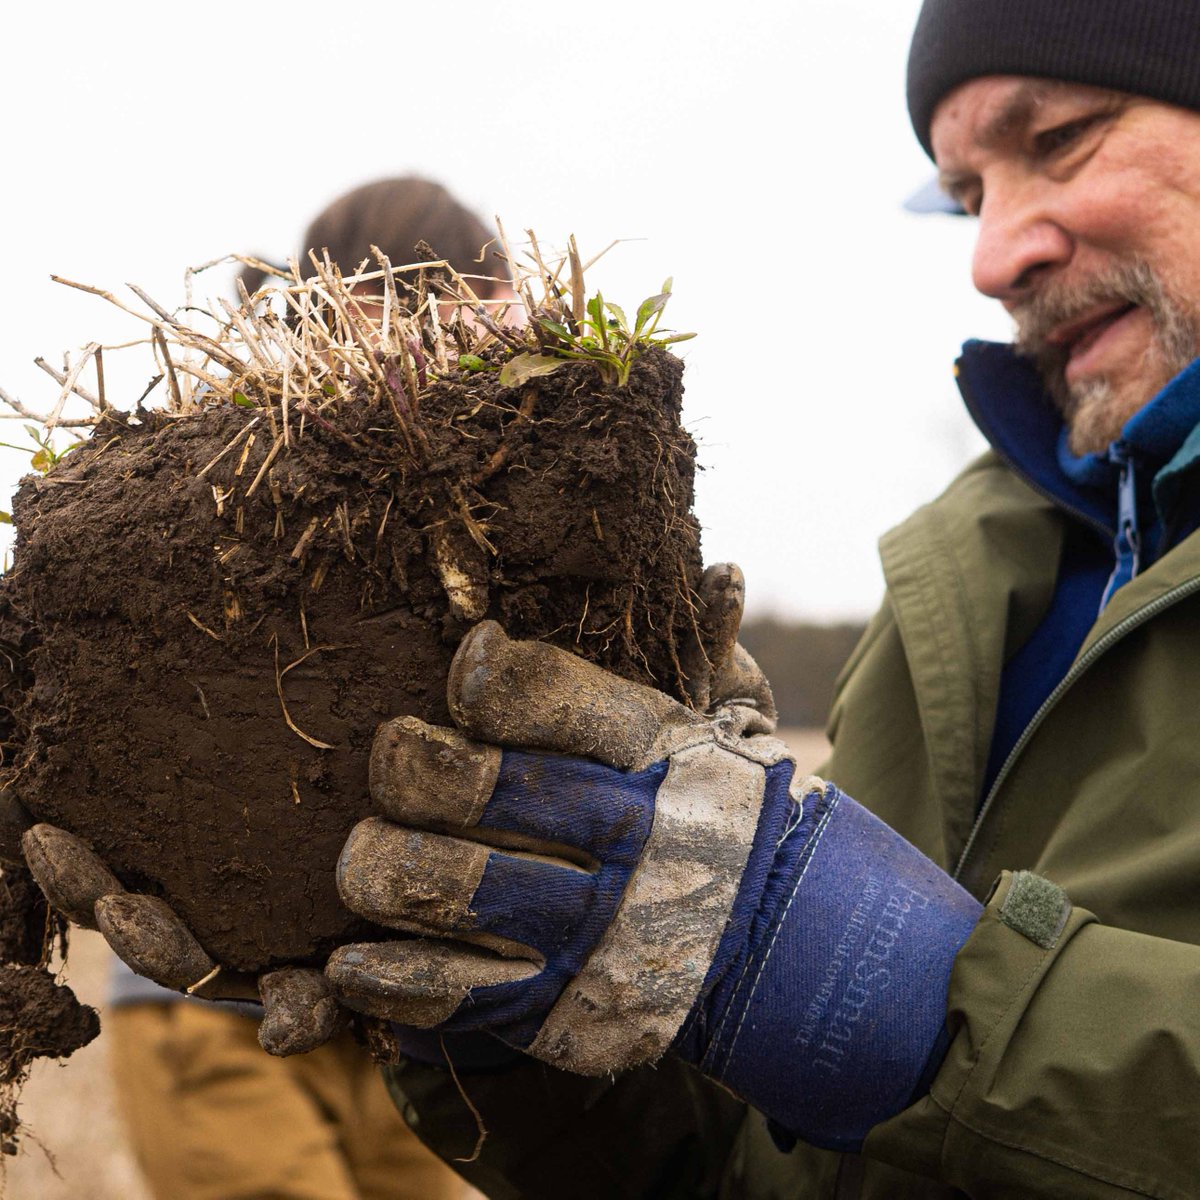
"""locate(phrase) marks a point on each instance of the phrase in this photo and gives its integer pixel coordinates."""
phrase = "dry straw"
(311, 343)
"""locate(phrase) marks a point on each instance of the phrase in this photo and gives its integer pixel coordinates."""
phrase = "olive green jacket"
(1074, 1065)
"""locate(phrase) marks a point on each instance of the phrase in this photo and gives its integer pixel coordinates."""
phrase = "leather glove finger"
(300, 1012)
(720, 672)
(411, 880)
(536, 696)
(427, 777)
(741, 684)
(143, 930)
(720, 601)
(71, 875)
(424, 982)
(147, 934)
(427, 883)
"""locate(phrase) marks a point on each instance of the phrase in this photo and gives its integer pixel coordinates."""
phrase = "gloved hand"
(299, 1012)
(660, 880)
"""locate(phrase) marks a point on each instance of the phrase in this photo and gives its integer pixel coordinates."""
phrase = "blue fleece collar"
(1007, 401)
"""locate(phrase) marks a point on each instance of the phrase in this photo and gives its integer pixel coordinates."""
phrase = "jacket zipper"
(1125, 541)
(1114, 635)
(1127, 544)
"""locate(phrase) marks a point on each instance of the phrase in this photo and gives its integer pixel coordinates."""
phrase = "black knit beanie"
(1147, 47)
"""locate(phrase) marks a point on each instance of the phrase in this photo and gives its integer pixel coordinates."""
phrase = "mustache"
(1057, 303)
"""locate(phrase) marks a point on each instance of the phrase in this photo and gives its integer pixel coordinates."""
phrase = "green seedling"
(473, 364)
(44, 457)
(603, 337)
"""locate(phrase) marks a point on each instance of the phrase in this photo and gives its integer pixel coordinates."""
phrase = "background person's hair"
(396, 214)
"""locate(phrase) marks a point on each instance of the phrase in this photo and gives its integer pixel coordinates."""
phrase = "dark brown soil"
(25, 921)
(167, 613)
(39, 1017)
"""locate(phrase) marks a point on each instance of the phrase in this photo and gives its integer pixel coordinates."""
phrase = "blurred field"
(808, 745)
(74, 1147)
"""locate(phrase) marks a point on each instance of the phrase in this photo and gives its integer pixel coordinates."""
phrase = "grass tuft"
(304, 346)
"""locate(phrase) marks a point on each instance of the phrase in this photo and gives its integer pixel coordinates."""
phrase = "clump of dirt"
(26, 923)
(39, 1017)
(216, 617)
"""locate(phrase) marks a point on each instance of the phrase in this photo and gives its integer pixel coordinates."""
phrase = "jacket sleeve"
(1074, 1066)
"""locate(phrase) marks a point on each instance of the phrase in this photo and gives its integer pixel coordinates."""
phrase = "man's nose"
(1018, 243)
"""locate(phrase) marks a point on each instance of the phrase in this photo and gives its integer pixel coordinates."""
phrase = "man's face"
(1089, 234)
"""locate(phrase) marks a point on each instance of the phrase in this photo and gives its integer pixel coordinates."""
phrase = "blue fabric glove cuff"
(827, 997)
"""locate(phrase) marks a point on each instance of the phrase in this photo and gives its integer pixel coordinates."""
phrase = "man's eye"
(971, 200)
(1050, 141)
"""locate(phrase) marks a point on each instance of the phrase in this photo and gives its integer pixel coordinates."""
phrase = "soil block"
(214, 621)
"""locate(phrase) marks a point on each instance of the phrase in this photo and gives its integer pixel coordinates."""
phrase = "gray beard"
(1092, 413)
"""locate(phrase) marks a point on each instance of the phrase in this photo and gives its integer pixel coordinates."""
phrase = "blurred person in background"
(209, 1114)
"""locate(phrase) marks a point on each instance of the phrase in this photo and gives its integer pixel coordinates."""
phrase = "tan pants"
(211, 1116)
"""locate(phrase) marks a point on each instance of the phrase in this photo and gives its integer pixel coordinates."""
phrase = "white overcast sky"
(758, 153)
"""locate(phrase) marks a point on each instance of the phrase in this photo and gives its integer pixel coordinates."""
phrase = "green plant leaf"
(528, 366)
(598, 322)
(673, 337)
(559, 331)
(472, 362)
(619, 313)
(5, 518)
(650, 308)
(42, 461)
(243, 401)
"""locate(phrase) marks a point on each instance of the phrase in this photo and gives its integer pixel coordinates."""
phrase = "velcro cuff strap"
(1036, 908)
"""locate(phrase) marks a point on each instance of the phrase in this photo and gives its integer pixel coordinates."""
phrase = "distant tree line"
(802, 661)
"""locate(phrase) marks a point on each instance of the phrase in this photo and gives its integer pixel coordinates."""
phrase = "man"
(990, 715)
(758, 959)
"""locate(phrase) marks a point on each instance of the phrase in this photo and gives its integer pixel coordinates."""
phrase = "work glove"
(299, 1011)
(596, 875)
